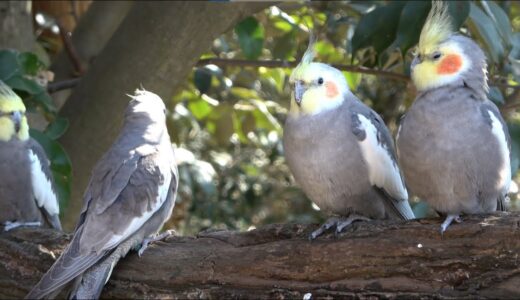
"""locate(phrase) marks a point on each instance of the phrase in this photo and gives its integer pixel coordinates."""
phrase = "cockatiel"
(27, 194)
(340, 151)
(453, 145)
(130, 196)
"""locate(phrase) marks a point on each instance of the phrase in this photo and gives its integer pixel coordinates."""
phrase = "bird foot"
(12, 225)
(339, 223)
(155, 238)
(448, 221)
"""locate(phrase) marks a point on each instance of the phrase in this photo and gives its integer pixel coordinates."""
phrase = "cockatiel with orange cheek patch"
(340, 151)
(453, 145)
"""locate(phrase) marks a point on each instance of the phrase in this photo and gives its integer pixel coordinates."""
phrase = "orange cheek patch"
(332, 89)
(450, 64)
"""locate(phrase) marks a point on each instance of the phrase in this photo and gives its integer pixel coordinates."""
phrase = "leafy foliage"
(227, 121)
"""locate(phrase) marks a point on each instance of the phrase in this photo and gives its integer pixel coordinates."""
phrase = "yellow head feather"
(437, 27)
(307, 59)
(10, 102)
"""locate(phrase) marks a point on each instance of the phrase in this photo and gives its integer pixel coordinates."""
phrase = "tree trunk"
(475, 259)
(156, 47)
(16, 30)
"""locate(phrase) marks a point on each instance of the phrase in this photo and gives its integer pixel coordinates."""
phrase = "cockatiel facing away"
(27, 194)
(453, 145)
(340, 151)
(131, 194)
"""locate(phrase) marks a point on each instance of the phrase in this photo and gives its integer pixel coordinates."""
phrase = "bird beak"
(299, 90)
(415, 62)
(16, 116)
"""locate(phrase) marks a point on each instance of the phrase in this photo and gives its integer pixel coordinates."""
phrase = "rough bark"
(16, 25)
(155, 46)
(475, 259)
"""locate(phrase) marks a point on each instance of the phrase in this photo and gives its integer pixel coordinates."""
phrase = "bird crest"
(9, 100)
(437, 28)
(307, 58)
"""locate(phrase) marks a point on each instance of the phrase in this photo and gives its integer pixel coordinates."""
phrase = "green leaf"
(514, 131)
(485, 27)
(57, 128)
(63, 186)
(30, 63)
(378, 27)
(202, 80)
(60, 161)
(353, 79)
(8, 64)
(496, 95)
(250, 37)
(411, 21)
(18, 82)
(199, 108)
(501, 20)
(285, 46)
(459, 12)
(45, 100)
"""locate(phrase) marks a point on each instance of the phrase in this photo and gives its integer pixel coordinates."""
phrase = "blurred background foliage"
(227, 120)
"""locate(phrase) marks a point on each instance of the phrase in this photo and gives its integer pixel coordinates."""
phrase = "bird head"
(13, 122)
(147, 106)
(444, 57)
(316, 87)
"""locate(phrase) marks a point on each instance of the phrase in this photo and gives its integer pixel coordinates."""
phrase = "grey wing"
(97, 235)
(42, 180)
(68, 266)
(145, 193)
(378, 151)
(498, 127)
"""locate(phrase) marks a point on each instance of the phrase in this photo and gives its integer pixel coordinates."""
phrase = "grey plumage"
(17, 198)
(130, 195)
(324, 155)
(448, 152)
(453, 145)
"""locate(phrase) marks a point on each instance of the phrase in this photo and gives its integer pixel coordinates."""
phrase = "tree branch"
(291, 64)
(62, 85)
(475, 259)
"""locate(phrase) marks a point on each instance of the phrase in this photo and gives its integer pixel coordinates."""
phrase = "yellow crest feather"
(437, 27)
(307, 58)
(9, 100)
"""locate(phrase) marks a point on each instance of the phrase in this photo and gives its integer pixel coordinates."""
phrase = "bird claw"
(448, 221)
(12, 225)
(157, 237)
(339, 223)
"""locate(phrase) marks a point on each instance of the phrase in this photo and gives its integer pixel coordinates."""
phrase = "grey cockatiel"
(453, 145)
(340, 151)
(131, 194)
(27, 194)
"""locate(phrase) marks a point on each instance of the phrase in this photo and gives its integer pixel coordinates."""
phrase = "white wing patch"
(42, 186)
(505, 169)
(383, 171)
(138, 221)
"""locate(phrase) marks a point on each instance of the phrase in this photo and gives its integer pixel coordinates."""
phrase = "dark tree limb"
(291, 64)
(475, 259)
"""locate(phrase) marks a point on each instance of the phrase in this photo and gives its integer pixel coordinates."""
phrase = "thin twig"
(292, 64)
(62, 85)
(71, 50)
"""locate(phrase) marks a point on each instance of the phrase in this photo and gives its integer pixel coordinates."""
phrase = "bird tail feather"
(70, 264)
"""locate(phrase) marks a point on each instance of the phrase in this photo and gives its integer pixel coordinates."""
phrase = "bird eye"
(320, 81)
(436, 55)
